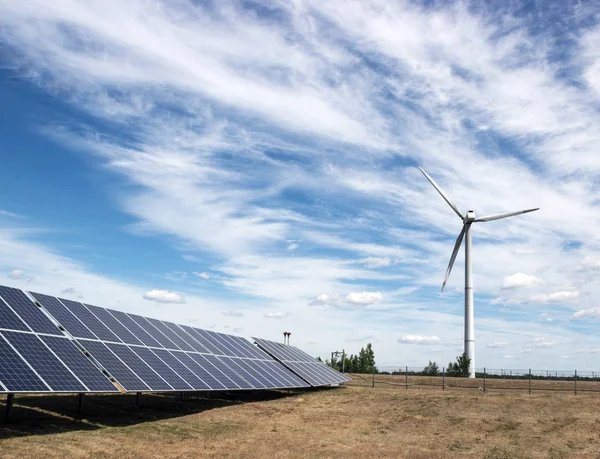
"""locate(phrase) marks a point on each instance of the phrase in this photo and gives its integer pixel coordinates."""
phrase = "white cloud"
(418, 339)
(16, 274)
(10, 214)
(292, 246)
(555, 297)
(163, 296)
(590, 313)
(203, 275)
(351, 299)
(363, 298)
(233, 313)
(277, 315)
(520, 280)
(377, 262)
(496, 345)
(543, 342)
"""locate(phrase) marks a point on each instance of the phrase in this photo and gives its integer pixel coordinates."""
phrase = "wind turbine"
(468, 219)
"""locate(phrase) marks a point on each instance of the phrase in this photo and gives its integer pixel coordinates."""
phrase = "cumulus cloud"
(203, 275)
(418, 339)
(555, 297)
(277, 315)
(233, 313)
(351, 299)
(16, 274)
(497, 345)
(377, 262)
(590, 313)
(520, 280)
(163, 296)
(292, 246)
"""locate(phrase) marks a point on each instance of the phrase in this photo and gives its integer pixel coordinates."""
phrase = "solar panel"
(210, 370)
(181, 344)
(90, 320)
(201, 339)
(214, 380)
(15, 373)
(9, 320)
(79, 364)
(237, 379)
(164, 370)
(181, 368)
(153, 332)
(113, 324)
(257, 381)
(27, 310)
(191, 342)
(114, 366)
(63, 316)
(44, 362)
(139, 367)
(134, 328)
(311, 370)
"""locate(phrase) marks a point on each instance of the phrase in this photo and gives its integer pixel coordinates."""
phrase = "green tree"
(460, 367)
(432, 369)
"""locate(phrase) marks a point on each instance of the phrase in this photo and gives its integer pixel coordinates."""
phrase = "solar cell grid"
(134, 328)
(139, 367)
(153, 331)
(90, 320)
(235, 347)
(46, 365)
(240, 369)
(177, 361)
(115, 367)
(179, 343)
(113, 324)
(202, 339)
(16, 375)
(217, 344)
(165, 372)
(79, 364)
(239, 380)
(64, 317)
(9, 320)
(207, 379)
(28, 311)
(191, 342)
(211, 370)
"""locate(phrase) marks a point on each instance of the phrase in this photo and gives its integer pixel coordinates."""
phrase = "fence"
(486, 380)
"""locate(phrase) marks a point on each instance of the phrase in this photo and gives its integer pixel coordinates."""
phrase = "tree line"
(363, 362)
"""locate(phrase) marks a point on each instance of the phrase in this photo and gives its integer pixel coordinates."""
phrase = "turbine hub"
(470, 216)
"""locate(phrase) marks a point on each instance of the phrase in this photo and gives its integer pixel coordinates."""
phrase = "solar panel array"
(35, 356)
(307, 367)
(144, 354)
(50, 344)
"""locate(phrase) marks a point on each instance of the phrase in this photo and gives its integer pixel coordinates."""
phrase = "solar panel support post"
(406, 377)
(484, 388)
(575, 382)
(80, 403)
(530, 381)
(182, 396)
(138, 396)
(9, 403)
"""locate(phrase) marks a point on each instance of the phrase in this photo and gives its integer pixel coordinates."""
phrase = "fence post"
(373, 382)
(443, 378)
(406, 377)
(530, 381)
(484, 388)
(575, 382)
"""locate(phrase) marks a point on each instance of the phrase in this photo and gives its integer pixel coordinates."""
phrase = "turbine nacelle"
(469, 217)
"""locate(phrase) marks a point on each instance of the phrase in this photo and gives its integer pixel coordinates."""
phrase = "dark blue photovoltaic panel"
(123, 375)
(64, 317)
(185, 337)
(220, 349)
(165, 372)
(283, 373)
(113, 324)
(209, 376)
(180, 363)
(139, 367)
(181, 344)
(15, 374)
(79, 364)
(261, 370)
(28, 311)
(153, 332)
(56, 375)
(201, 339)
(237, 365)
(90, 320)
(218, 340)
(236, 349)
(237, 379)
(134, 328)
(252, 351)
(9, 319)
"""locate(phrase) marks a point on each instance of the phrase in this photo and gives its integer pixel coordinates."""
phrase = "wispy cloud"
(163, 296)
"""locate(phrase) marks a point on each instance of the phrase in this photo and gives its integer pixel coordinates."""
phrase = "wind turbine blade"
(490, 218)
(444, 195)
(453, 257)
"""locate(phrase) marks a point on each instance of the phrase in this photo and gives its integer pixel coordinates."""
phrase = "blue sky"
(250, 167)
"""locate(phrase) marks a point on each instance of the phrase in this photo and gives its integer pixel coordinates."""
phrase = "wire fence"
(486, 380)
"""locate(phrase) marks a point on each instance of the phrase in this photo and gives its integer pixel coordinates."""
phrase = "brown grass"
(354, 421)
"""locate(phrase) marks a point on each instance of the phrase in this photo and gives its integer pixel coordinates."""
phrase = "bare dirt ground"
(354, 421)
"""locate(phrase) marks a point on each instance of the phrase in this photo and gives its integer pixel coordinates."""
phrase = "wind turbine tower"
(468, 219)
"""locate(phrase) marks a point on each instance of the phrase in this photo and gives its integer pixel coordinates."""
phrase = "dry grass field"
(354, 421)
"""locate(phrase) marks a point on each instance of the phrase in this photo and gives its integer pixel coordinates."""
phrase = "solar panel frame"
(20, 377)
(28, 311)
(193, 332)
(44, 362)
(154, 332)
(213, 380)
(113, 325)
(238, 367)
(69, 321)
(183, 370)
(135, 329)
(179, 343)
(141, 369)
(191, 342)
(217, 373)
(94, 324)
